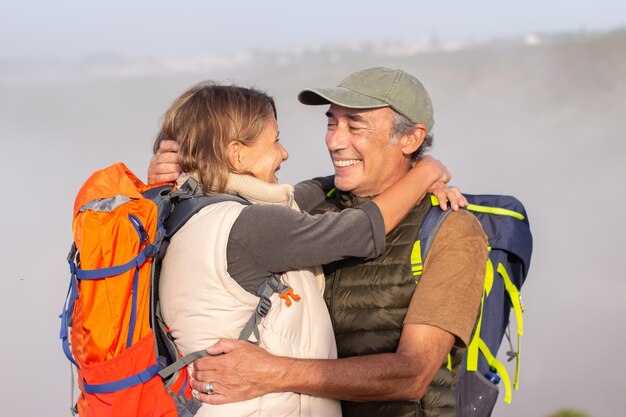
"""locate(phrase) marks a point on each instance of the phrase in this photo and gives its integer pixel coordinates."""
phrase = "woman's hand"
(446, 194)
(439, 172)
(164, 163)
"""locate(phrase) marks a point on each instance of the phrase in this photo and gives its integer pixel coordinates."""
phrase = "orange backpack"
(111, 327)
(106, 325)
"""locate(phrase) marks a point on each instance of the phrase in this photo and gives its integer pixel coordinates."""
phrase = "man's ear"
(234, 153)
(412, 141)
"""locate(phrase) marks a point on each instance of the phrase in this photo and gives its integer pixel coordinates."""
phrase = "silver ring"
(208, 388)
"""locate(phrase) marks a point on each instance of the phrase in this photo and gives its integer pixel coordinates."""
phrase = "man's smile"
(342, 163)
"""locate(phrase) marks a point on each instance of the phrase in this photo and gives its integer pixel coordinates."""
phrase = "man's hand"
(164, 164)
(243, 371)
(239, 371)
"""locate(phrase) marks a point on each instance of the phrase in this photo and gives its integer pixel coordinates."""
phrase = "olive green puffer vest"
(368, 302)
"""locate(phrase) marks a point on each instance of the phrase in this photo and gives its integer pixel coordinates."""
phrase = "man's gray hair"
(400, 126)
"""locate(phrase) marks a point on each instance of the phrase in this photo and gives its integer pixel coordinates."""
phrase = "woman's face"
(263, 158)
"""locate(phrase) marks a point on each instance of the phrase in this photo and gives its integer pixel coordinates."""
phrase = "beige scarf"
(254, 190)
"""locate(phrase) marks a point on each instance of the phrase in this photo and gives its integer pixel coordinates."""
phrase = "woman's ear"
(412, 141)
(234, 153)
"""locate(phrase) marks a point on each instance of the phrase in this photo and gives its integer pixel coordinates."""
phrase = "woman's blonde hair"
(205, 119)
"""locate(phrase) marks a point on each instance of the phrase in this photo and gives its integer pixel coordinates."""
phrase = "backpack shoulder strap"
(425, 237)
(432, 223)
(182, 204)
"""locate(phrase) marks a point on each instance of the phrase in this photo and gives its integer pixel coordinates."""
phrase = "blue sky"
(74, 28)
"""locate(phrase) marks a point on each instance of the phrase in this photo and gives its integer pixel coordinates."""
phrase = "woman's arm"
(268, 238)
(428, 174)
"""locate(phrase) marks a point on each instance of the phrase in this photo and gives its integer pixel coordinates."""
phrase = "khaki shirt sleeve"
(449, 291)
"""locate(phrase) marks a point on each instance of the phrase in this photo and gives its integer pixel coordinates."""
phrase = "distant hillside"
(306, 56)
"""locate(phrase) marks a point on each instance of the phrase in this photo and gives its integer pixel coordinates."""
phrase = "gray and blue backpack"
(505, 223)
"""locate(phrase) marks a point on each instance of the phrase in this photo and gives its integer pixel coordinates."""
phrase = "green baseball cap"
(374, 88)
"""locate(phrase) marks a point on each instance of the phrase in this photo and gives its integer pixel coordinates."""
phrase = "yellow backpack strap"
(472, 348)
(488, 276)
(495, 210)
(478, 345)
(497, 365)
(416, 260)
(516, 301)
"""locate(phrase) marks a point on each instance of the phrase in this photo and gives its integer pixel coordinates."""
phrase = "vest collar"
(349, 200)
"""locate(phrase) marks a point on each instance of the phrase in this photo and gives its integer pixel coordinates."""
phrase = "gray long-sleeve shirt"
(269, 239)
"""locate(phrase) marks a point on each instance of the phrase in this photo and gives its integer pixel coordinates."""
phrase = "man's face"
(359, 142)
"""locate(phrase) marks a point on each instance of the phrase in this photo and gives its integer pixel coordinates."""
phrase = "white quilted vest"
(201, 303)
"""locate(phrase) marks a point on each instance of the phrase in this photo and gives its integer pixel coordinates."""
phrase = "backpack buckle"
(264, 306)
(289, 293)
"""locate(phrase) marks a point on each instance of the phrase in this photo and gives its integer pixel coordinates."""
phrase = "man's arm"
(246, 371)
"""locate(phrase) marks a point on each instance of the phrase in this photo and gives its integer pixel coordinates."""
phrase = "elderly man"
(399, 340)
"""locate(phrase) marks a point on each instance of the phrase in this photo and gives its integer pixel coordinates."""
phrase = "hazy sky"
(75, 28)
(553, 133)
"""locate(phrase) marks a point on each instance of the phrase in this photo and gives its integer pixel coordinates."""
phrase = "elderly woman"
(228, 142)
